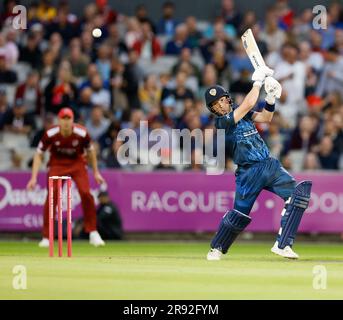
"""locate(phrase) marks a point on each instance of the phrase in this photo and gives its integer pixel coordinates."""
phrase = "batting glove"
(273, 90)
(260, 74)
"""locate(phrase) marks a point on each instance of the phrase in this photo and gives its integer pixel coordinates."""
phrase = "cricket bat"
(252, 49)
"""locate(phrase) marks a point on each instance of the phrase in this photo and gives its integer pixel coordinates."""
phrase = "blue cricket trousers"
(267, 174)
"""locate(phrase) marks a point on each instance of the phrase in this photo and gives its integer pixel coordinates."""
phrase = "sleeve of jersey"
(225, 121)
(43, 144)
(88, 142)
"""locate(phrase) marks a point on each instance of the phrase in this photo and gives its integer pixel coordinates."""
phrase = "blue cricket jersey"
(245, 144)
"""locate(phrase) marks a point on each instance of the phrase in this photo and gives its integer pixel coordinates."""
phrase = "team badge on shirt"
(75, 143)
(57, 143)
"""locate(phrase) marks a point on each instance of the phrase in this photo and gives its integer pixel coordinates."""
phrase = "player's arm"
(38, 157)
(37, 162)
(273, 90)
(91, 155)
(251, 98)
(248, 103)
(266, 115)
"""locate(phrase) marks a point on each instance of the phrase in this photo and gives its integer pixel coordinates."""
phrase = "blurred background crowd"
(116, 70)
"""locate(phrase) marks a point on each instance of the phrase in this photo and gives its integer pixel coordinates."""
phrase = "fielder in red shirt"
(68, 143)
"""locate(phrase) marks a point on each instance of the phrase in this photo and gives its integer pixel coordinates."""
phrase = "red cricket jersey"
(65, 151)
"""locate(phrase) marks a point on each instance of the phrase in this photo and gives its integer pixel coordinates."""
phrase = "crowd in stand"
(116, 70)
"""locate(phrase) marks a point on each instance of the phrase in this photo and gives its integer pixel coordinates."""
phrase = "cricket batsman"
(68, 143)
(256, 169)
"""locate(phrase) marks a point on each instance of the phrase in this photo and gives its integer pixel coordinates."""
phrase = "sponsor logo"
(250, 132)
(186, 201)
(75, 143)
(10, 197)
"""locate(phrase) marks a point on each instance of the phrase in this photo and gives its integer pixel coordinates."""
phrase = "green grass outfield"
(170, 270)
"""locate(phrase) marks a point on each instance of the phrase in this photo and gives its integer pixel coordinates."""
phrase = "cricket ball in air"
(96, 33)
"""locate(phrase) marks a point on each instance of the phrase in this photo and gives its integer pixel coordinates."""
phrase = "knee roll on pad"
(231, 225)
(294, 211)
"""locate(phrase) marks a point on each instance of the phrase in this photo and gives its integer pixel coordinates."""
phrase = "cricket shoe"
(95, 239)
(214, 254)
(286, 252)
(44, 243)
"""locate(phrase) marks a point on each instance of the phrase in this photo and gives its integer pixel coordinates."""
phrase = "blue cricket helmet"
(214, 93)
